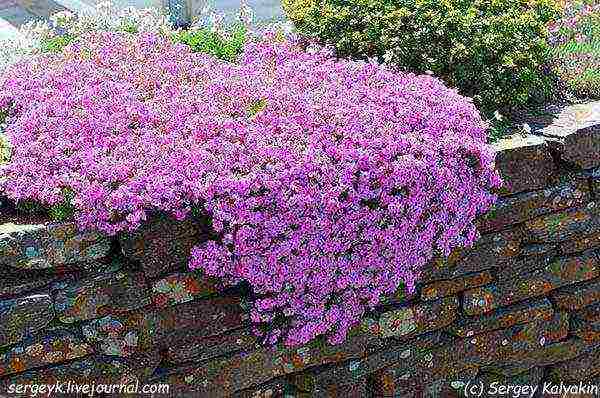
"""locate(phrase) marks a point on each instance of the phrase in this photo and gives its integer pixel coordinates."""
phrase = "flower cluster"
(328, 182)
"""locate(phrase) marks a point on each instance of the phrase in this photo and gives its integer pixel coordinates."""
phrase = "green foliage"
(491, 50)
(64, 210)
(223, 45)
(55, 44)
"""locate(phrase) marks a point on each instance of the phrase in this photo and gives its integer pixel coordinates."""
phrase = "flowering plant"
(575, 40)
(328, 182)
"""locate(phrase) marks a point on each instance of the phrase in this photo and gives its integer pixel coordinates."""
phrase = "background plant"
(490, 50)
(575, 40)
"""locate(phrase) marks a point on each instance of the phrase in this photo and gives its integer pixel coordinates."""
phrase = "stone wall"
(521, 307)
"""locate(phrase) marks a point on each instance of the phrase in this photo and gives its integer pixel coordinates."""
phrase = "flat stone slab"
(100, 369)
(533, 257)
(419, 319)
(577, 369)
(49, 245)
(524, 163)
(224, 377)
(439, 289)
(572, 298)
(573, 192)
(161, 245)
(180, 288)
(490, 251)
(575, 133)
(564, 226)
(100, 296)
(580, 244)
(20, 282)
(124, 335)
(200, 319)
(23, 316)
(503, 318)
(561, 272)
(198, 348)
(55, 346)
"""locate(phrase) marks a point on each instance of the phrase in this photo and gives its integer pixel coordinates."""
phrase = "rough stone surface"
(180, 288)
(423, 318)
(22, 316)
(558, 227)
(493, 250)
(203, 319)
(444, 288)
(161, 245)
(124, 335)
(573, 298)
(99, 369)
(504, 317)
(562, 272)
(46, 246)
(22, 282)
(99, 296)
(56, 346)
(200, 348)
(524, 162)
(572, 192)
(575, 134)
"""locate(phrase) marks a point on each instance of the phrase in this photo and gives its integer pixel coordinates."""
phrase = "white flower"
(497, 115)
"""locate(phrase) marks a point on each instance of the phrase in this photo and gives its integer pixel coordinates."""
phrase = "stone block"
(418, 319)
(201, 348)
(573, 191)
(550, 354)
(533, 257)
(490, 251)
(565, 225)
(354, 371)
(273, 389)
(561, 272)
(503, 318)
(444, 288)
(577, 369)
(580, 244)
(122, 335)
(360, 342)
(21, 282)
(98, 369)
(49, 245)
(201, 319)
(180, 288)
(99, 296)
(575, 134)
(21, 317)
(161, 245)
(51, 347)
(524, 163)
(224, 377)
(575, 297)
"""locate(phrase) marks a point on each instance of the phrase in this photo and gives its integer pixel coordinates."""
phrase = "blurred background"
(14, 13)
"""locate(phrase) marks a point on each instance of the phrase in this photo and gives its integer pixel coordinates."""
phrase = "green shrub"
(491, 50)
(223, 45)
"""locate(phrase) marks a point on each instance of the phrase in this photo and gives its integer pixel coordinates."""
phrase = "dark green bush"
(491, 50)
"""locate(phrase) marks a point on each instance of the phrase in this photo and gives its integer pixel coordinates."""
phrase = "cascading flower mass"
(328, 182)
